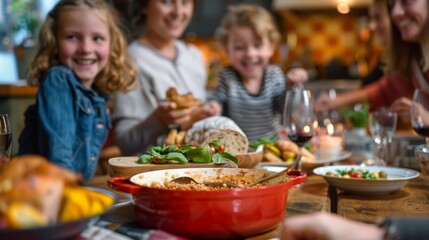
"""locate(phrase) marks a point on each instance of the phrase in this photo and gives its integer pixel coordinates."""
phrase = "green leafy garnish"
(264, 141)
(357, 117)
(186, 153)
(177, 156)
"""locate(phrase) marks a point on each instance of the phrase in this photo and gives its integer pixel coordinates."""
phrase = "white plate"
(319, 161)
(396, 179)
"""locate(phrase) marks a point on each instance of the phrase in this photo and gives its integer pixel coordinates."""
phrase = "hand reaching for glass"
(402, 107)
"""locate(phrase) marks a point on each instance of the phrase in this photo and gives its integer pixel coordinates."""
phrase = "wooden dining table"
(315, 195)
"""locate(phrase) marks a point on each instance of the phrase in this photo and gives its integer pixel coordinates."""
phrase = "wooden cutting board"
(128, 166)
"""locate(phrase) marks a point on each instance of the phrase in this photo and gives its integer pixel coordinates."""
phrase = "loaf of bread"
(44, 193)
(182, 101)
(35, 192)
(218, 128)
(26, 165)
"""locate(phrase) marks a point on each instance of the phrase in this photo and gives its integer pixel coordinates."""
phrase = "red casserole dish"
(231, 213)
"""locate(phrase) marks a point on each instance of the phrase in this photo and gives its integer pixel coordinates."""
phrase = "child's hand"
(207, 110)
(297, 75)
(211, 108)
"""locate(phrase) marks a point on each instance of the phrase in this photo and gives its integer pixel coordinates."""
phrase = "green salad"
(358, 173)
(212, 152)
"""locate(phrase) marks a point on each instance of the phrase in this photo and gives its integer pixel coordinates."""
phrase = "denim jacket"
(68, 124)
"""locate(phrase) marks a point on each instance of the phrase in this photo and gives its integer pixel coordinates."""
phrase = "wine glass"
(5, 140)
(420, 123)
(420, 113)
(299, 119)
(382, 125)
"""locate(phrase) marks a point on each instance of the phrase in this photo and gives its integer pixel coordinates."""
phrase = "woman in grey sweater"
(141, 117)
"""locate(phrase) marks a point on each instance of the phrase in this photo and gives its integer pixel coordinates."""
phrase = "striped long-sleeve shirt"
(257, 115)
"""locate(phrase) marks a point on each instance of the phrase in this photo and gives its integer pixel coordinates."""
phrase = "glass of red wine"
(5, 140)
(299, 118)
(420, 123)
(420, 113)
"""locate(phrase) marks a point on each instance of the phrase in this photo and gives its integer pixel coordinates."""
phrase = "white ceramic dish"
(396, 179)
(319, 161)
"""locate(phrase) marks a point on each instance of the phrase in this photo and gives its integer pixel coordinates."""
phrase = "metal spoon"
(188, 180)
(291, 167)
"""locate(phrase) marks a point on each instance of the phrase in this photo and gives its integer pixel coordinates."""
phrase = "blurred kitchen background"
(330, 38)
(330, 44)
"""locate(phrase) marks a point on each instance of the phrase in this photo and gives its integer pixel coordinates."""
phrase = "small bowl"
(396, 179)
(422, 157)
(249, 160)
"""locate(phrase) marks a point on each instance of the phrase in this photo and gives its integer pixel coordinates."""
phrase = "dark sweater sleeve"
(411, 228)
(374, 75)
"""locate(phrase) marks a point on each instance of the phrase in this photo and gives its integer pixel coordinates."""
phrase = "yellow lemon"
(273, 149)
(22, 215)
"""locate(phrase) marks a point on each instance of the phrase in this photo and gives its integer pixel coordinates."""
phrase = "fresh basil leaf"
(205, 155)
(193, 152)
(215, 143)
(164, 149)
(218, 159)
(156, 149)
(176, 156)
(146, 158)
(229, 156)
(172, 148)
(186, 147)
(264, 140)
(158, 155)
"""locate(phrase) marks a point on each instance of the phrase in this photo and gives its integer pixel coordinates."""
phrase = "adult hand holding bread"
(168, 114)
(184, 109)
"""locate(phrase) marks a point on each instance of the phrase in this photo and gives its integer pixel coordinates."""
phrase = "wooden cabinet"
(14, 100)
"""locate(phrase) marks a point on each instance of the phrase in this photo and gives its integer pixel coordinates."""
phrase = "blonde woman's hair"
(247, 15)
(119, 73)
(399, 53)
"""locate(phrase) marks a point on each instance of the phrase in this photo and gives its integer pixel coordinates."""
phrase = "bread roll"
(218, 128)
(171, 137)
(182, 101)
(44, 193)
(26, 165)
(285, 145)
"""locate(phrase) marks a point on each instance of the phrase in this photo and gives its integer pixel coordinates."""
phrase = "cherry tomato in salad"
(221, 148)
(356, 175)
(212, 149)
(156, 160)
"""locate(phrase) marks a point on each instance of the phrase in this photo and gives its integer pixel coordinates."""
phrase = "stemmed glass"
(382, 125)
(5, 140)
(420, 113)
(299, 119)
(420, 123)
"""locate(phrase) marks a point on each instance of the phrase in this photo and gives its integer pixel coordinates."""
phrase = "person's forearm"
(350, 98)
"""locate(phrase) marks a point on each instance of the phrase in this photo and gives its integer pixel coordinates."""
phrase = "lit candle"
(329, 144)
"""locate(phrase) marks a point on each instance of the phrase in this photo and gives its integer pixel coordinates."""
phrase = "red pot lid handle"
(123, 184)
(297, 176)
